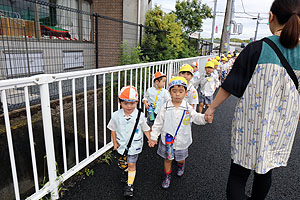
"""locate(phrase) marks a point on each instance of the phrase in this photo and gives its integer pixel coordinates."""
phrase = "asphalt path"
(206, 172)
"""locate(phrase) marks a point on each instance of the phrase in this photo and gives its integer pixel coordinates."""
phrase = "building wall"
(52, 55)
(110, 33)
(130, 13)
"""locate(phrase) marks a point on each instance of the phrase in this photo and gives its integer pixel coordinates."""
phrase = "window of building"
(72, 59)
(19, 64)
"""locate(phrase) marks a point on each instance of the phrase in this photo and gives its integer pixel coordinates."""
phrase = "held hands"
(152, 143)
(208, 119)
(209, 115)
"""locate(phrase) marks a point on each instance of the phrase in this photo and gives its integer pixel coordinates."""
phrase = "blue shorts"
(132, 158)
(207, 100)
(178, 154)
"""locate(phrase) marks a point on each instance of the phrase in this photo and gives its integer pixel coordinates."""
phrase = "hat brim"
(130, 100)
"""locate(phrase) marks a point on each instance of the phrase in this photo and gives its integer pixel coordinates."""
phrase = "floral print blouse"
(267, 112)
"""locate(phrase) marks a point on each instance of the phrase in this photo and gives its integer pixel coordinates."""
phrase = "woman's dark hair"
(288, 12)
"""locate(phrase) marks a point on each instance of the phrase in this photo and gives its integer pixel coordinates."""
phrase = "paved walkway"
(206, 170)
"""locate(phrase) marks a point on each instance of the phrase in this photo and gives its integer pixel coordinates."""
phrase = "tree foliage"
(162, 45)
(191, 14)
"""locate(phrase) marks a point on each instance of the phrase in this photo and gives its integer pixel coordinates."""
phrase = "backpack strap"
(283, 61)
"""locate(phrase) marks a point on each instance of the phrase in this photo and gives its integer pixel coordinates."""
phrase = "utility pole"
(257, 22)
(231, 22)
(213, 26)
(226, 28)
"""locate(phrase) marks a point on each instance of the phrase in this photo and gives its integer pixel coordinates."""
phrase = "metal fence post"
(43, 81)
(170, 71)
(141, 34)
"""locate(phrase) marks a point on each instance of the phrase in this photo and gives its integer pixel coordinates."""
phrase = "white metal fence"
(98, 89)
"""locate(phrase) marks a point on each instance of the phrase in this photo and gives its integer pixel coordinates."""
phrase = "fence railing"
(82, 115)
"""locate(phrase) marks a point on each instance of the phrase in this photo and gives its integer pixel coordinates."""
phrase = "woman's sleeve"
(242, 70)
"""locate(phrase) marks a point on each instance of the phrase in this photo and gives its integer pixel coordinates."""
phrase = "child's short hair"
(179, 81)
(178, 86)
(158, 79)
(186, 72)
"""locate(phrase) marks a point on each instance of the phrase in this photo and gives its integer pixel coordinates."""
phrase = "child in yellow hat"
(121, 125)
(191, 97)
(224, 68)
(173, 124)
(208, 83)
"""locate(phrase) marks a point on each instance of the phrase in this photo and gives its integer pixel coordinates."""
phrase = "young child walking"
(173, 123)
(155, 96)
(121, 126)
(191, 97)
(208, 84)
(196, 74)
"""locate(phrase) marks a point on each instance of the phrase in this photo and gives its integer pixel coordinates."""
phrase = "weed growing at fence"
(106, 157)
(89, 172)
(60, 187)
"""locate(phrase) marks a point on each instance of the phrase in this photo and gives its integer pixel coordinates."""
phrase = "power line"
(245, 10)
(254, 17)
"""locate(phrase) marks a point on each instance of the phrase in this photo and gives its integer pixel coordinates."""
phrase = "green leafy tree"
(191, 13)
(131, 55)
(162, 45)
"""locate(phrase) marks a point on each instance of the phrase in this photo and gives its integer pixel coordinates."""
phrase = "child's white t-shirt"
(192, 95)
(168, 120)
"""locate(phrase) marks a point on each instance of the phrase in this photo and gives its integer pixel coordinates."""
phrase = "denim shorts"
(132, 158)
(178, 154)
(207, 100)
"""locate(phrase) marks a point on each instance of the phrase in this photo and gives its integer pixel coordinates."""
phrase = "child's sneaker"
(128, 191)
(124, 177)
(180, 170)
(166, 182)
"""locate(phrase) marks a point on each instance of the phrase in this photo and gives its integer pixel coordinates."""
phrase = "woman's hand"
(209, 114)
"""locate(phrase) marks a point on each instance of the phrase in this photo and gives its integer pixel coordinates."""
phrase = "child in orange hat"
(121, 126)
(156, 96)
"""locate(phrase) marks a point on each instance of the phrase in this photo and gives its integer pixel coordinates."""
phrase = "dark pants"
(237, 180)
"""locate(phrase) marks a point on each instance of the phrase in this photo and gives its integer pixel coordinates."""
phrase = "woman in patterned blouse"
(267, 112)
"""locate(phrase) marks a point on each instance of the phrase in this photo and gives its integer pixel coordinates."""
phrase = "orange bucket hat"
(129, 93)
(158, 75)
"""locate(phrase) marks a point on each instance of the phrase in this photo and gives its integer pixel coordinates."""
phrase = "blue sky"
(252, 7)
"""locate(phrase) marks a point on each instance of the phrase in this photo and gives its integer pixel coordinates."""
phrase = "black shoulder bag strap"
(283, 60)
(133, 131)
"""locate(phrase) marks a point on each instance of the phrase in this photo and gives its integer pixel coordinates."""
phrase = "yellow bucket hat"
(186, 68)
(215, 62)
(177, 80)
(210, 64)
(224, 59)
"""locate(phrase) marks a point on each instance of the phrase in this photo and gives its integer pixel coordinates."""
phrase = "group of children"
(168, 125)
